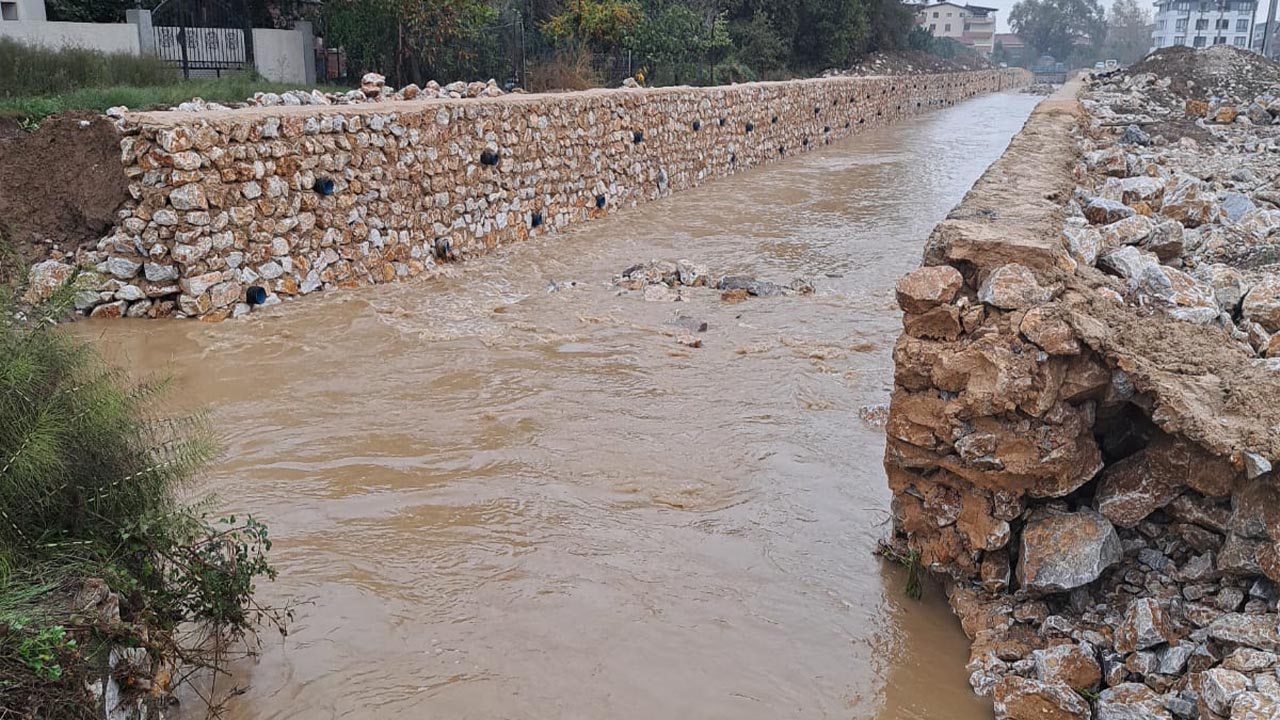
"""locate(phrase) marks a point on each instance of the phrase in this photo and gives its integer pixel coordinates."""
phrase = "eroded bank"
(1081, 436)
(239, 208)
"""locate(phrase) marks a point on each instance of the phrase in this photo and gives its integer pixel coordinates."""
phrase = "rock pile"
(1192, 225)
(373, 89)
(666, 281)
(1087, 409)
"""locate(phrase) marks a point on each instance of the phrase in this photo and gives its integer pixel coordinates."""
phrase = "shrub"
(89, 475)
(33, 70)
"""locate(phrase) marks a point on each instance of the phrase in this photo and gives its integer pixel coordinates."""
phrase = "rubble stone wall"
(1081, 436)
(232, 208)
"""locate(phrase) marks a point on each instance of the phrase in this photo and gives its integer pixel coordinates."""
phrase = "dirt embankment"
(1087, 410)
(60, 185)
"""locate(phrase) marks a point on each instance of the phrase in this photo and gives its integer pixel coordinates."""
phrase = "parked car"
(1112, 64)
(1099, 65)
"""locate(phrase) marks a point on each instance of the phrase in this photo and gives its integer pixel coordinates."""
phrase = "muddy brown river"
(491, 500)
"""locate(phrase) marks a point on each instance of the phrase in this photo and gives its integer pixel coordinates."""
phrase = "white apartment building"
(1201, 23)
(972, 25)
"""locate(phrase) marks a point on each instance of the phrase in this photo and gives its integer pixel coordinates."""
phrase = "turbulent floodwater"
(496, 501)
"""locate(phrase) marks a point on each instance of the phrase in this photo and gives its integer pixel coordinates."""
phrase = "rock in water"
(1061, 552)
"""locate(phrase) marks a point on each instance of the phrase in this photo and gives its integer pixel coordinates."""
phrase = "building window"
(1202, 24)
(1160, 24)
(1222, 24)
(1199, 41)
(967, 27)
(1240, 40)
(933, 26)
(935, 13)
(1179, 39)
(1242, 25)
(947, 28)
(1181, 24)
(1219, 40)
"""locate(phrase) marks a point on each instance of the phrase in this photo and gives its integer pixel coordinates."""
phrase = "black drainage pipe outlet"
(721, 122)
(782, 149)
(697, 125)
(600, 201)
(826, 128)
(733, 158)
(323, 185)
(774, 121)
(751, 127)
(442, 248)
(806, 142)
(536, 220)
(817, 109)
(255, 295)
(488, 157)
(637, 137)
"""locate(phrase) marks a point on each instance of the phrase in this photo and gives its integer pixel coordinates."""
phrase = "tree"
(599, 25)
(416, 41)
(1066, 29)
(1128, 31)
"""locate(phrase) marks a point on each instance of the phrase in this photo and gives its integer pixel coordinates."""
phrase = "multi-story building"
(1201, 23)
(1260, 33)
(972, 25)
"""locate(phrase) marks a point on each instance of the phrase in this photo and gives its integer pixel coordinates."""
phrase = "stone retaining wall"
(250, 206)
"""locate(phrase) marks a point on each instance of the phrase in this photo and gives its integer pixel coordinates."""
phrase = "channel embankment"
(235, 208)
(1087, 409)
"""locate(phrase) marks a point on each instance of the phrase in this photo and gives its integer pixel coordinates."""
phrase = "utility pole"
(1268, 28)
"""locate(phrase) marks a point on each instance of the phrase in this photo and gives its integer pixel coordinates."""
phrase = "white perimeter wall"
(107, 37)
(280, 55)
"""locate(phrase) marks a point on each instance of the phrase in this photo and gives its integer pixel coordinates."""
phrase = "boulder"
(1129, 262)
(1129, 491)
(1127, 231)
(1165, 240)
(1018, 698)
(1069, 665)
(1262, 303)
(925, 288)
(1145, 625)
(45, 279)
(1061, 552)
(1218, 688)
(1254, 706)
(1130, 701)
(1187, 200)
(1228, 284)
(1013, 287)
(1083, 243)
(1101, 211)
(1255, 631)
(1045, 326)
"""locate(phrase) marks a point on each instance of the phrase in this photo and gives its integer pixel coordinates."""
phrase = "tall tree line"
(674, 41)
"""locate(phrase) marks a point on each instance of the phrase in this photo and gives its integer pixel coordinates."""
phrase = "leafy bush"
(89, 474)
(33, 70)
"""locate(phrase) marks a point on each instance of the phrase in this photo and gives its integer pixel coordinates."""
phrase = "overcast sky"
(1002, 15)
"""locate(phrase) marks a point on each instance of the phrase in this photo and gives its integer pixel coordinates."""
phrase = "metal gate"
(205, 38)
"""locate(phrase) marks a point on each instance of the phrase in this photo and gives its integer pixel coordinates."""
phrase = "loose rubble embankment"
(1087, 404)
(237, 209)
